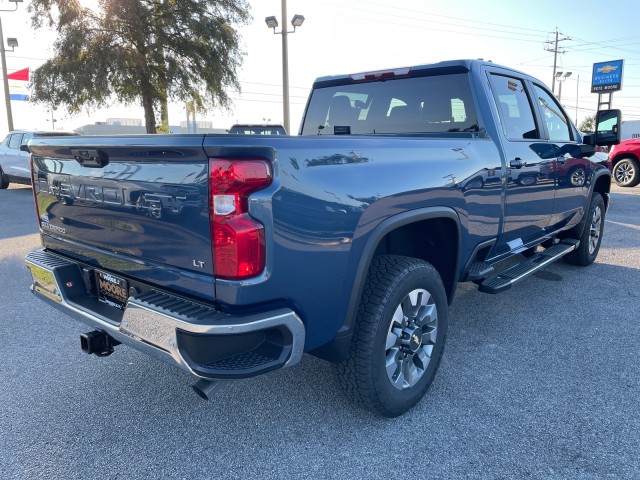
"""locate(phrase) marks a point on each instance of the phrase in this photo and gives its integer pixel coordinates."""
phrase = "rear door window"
(514, 107)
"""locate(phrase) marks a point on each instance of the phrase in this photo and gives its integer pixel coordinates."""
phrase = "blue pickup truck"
(231, 256)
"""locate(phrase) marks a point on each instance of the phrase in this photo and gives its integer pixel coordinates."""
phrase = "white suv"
(14, 162)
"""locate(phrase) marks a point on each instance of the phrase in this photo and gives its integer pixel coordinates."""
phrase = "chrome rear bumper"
(192, 335)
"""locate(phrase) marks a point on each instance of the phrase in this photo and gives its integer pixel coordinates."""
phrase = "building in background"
(135, 126)
(630, 129)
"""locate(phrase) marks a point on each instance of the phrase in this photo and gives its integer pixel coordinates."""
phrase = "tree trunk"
(164, 112)
(149, 115)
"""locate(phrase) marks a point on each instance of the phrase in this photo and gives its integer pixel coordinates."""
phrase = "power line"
(469, 20)
(431, 28)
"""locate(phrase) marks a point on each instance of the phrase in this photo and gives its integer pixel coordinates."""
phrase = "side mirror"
(24, 148)
(607, 129)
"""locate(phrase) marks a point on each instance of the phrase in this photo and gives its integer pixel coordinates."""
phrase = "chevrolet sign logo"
(607, 69)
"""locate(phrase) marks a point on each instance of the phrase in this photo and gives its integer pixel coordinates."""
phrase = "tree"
(147, 51)
(588, 124)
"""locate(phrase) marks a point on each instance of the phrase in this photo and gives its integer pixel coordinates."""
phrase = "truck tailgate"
(141, 198)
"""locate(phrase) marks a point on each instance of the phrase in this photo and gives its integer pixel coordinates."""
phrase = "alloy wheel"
(411, 339)
(624, 173)
(596, 227)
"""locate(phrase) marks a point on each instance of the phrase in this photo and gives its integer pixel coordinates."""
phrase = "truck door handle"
(517, 163)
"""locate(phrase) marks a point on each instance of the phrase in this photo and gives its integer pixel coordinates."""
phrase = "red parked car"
(625, 163)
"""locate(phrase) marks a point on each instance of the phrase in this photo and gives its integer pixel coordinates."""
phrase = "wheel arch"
(423, 233)
(622, 155)
(602, 185)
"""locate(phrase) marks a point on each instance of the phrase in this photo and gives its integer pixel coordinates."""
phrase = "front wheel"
(398, 338)
(626, 172)
(591, 237)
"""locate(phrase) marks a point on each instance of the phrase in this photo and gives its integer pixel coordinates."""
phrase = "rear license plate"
(112, 290)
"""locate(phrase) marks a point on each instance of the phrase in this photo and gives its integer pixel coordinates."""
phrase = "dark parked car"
(257, 130)
(14, 162)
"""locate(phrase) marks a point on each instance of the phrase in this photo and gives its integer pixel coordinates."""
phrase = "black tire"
(393, 357)
(591, 238)
(626, 172)
(4, 181)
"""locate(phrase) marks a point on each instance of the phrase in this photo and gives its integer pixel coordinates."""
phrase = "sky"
(349, 36)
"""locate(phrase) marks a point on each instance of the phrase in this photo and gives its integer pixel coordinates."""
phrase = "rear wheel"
(591, 238)
(626, 172)
(398, 338)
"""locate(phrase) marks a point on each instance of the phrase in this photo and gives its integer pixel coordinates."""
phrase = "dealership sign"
(607, 76)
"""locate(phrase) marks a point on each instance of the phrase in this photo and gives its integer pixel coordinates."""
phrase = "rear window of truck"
(431, 104)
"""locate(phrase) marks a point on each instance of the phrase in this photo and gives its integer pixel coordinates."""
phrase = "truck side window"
(15, 140)
(514, 108)
(555, 120)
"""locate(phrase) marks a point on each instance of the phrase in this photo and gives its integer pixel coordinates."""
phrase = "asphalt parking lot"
(541, 381)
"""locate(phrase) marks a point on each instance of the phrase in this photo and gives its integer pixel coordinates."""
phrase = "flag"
(20, 75)
(17, 88)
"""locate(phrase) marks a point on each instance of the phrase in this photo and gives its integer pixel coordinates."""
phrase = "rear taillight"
(237, 239)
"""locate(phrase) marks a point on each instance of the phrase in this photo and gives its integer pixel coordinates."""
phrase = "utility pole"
(577, 94)
(555, 51)
(5, 81)
(285, 70)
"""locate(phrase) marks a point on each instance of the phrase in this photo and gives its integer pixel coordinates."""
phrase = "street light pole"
(561, 77)
(559, 90)
(272, 22)
(285, 70)
(5, 80)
